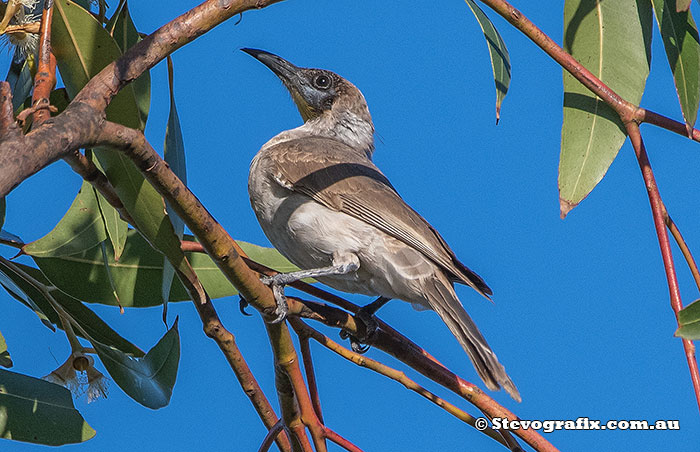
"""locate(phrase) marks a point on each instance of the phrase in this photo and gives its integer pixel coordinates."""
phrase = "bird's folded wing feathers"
(344, 179)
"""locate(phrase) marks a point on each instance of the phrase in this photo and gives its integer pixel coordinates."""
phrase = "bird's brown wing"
(344, 179)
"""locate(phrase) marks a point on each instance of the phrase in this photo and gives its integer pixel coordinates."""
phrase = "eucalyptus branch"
(626, 110)
(659, 214)
(87, 110)
(91, 174)
(290, 383)
(305, 331)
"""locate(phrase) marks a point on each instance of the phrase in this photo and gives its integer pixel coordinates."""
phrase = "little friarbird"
(328, 209)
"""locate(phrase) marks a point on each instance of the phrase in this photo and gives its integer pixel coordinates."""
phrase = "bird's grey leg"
(343, 263)
(374, 306)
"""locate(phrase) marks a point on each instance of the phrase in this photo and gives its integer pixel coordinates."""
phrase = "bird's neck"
(344, 126)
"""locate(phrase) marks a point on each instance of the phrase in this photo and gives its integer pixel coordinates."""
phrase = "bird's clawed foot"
(366, 316)
(277, 283)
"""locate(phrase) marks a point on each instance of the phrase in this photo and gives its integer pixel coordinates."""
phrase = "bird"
(325, 206)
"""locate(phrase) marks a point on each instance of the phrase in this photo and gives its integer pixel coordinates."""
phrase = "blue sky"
(581, 317)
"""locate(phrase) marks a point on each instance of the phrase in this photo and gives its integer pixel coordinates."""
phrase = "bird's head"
(316, 92)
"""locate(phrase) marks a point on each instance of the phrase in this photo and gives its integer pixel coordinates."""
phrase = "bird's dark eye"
(322, 82)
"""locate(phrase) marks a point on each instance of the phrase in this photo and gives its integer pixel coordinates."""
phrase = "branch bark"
(88, 107)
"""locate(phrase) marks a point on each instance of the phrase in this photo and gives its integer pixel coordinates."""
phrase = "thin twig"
(657, 209)
(339, 440)
(45, 78)
(271, 435)
(305, 331)
(310, 376)
(689, 259)
(287, 364)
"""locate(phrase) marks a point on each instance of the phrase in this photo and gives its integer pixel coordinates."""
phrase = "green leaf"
(269, 257)
(39, 412)
(116, 227)
(81, 228)
(137, 274)
(611, 39)
(174, 155)
(9, 280)
(121, 27)
(88, 320)
(109, 26)
(148, 380)
(500, 60)
(85, 48)
(5, 360)
(689, 321)
(680, 37)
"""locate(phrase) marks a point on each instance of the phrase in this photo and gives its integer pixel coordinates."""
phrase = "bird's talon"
(358, 347)
(242, 304)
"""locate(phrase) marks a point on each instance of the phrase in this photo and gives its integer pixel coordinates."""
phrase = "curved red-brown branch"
(631, 115)
(90, 103)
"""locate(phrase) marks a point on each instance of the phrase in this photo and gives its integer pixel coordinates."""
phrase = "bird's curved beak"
(293, 78)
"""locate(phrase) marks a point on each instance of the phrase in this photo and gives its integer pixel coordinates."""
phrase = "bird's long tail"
(443, 300)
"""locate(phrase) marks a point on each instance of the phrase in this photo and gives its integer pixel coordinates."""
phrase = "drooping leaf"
(81, 228)
(9, 280)
(137, 274)
(116, 227)
(39, 412)
(10, 238)
(82, 48)
(84, 316)
(500, 60)
(174, 155)
(108, 271)
(611, 39)
(109, 26)
(148, 380)
(689, 321)
(122, 28)
(680, 37)
(5, 360)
